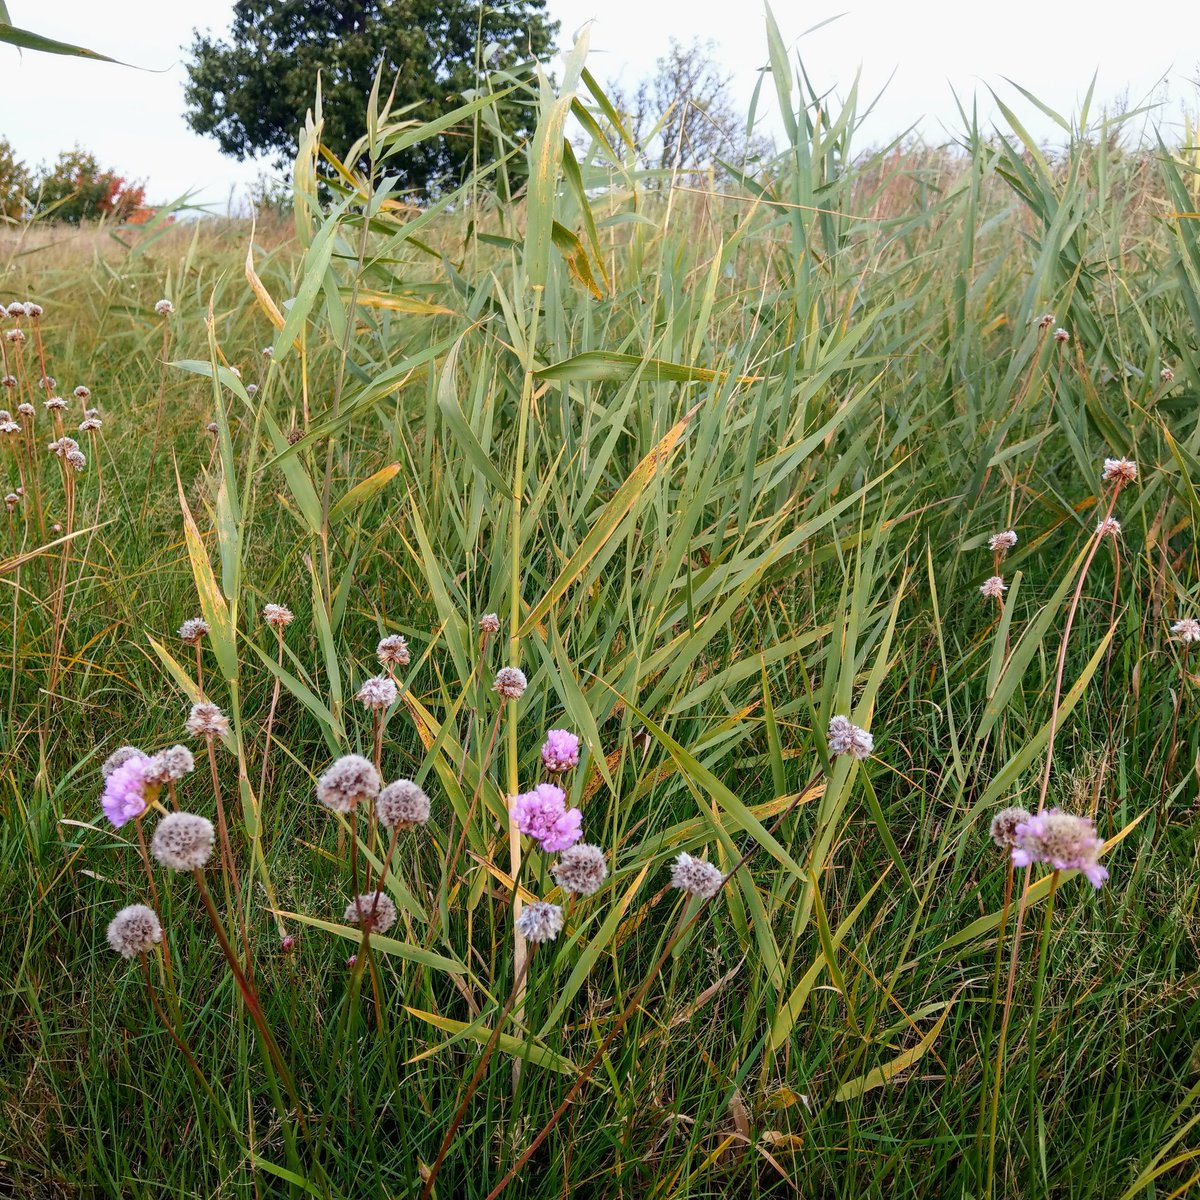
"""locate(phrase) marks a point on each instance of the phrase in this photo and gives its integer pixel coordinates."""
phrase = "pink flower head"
(125, 790)
(1063, 841)
(560, 751)
(543, 815)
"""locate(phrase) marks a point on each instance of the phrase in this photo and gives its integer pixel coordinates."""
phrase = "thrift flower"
(192, 630)
(488, 623)
(164, 308)
(1109, 526)
(1187, 630)
(377, 693)
(207, 720)
(561, 751)
(277, 616)
(124, 795)
(1001, 542)
(134, 930)
(172, 764)
(1119, 471)
(393, 651)
(1004, 827)
(1167, 375)
(1061, 336)
(847, 738)
(543, 815)
(1063, 841)
(1045, 320)
(994, 587)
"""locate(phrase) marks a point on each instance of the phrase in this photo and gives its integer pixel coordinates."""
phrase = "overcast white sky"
(132, 120)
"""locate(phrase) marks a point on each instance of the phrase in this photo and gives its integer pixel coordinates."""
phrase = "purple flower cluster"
(125, 790)
(561, 751)
(542, 815)
(1063, 841)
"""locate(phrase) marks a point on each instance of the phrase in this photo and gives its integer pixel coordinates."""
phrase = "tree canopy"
(251, 90)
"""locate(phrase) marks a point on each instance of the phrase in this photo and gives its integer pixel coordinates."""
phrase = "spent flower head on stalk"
(1167, 375)
(76, 460)
(1119, 471)
(277, 616)
(581, 870)
(489, 623)
(1186, 631)
(377, 693)
(348, 780)
(845, 737)
(1063, 841)
(540, 922)
(695, 876)
(1061, 336)
(192, 630)
(1001, 543)
(83, 392)
(402, 804)
(26, 409)
(1003, 829)
(371, 910)
(119, 756)
(994, 587)
(164, 307)
(55, 404)
(1045, 320)
(182, 841)
(90, 424)
(542, 815)
(134, 930)
(392, 650)
(126, 789)
(560, 751)
(207, 720)
(33, 311)
(172, 764)
(1109, 527)
(510, 683)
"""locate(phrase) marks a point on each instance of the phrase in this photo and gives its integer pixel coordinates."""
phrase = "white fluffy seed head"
(510, 682)
(402, 804)
(539, 921)
(371, 910)
(182, 841)
(134, 930)
(695, 876)
(377, 693)
(348, 780)
(581, 869)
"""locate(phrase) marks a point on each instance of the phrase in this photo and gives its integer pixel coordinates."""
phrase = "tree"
(75, 189)
(15, 183)
(251, 91)
(682, 118)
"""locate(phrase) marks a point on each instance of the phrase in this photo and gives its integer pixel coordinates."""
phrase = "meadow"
(724, 457)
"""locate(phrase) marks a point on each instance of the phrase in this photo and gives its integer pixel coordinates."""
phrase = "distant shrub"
(75, 189)
(15, 182)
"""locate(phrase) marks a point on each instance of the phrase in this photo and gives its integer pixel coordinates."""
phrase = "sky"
(918, 54)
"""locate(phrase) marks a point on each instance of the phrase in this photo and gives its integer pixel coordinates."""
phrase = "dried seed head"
(1063, 841)
(26, 409)
(11, 501)
(294, 435)
(164, 308)
(510, 683)
(1109, 527)
(1061, 336)
(9, 426)
(581, 870)
(268, 352)
(540, 922)
(33, 311)
(55, 404)
(1167, 375)
(277, 616)
(377, 693)
(8, 381)
(118, 757)
(1119, 471)
(83, 393)
(134, 930)
(16, 336)
(1001, 543)
(182, 841)
(213, 427)
(845, 737)
(695, 876)
(1045, 320)
(207, 720)
(1186, 631)
(348, 780)
(402, 804)
(76, 459)
(172, 764)
(252, 389)
(489, 623)
(192, 630)
(393, 650)
(371, 910)
(48, 383)
(1003, 829)
(16, 310)
(89, 424)
(994, 587)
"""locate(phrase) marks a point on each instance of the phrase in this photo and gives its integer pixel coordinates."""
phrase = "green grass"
(761, 438)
